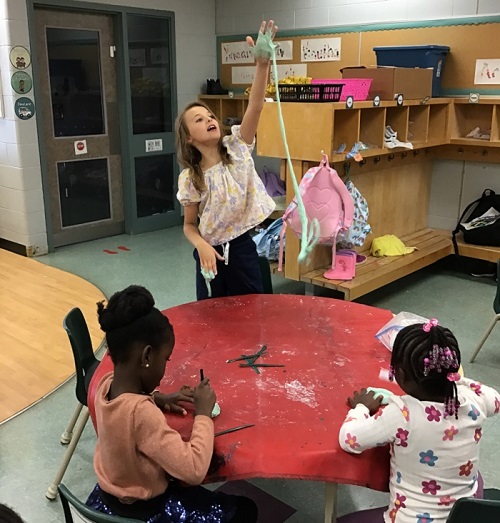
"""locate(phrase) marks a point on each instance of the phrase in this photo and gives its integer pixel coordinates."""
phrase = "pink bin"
(356, 87)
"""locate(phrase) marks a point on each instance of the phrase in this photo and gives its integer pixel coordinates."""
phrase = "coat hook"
(391, 157)
(376, 159)
(460, 150)
(404, 154)
(485, 152)
(362, 163)
(416, 152)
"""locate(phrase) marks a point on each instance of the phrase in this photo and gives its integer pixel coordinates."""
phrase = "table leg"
(330, 502)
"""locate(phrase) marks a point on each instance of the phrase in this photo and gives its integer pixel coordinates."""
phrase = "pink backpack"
(325, 198)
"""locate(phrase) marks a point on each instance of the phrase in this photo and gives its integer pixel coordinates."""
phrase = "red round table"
(328, 349)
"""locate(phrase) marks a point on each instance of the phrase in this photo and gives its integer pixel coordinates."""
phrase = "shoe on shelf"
(210, 86)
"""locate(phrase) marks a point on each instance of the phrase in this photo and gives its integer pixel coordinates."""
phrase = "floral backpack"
(327, 200)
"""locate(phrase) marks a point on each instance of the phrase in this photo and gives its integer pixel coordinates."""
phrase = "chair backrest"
(76, 511)
(466, 510)
(496, 302)
(265, 272)
(85, 361)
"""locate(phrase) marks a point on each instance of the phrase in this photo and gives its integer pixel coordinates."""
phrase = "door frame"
(119, 14)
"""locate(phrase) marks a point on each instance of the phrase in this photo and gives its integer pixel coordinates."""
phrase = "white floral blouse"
(434, 457)
(235, 199)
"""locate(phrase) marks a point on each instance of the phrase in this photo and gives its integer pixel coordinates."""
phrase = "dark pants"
(241, 276)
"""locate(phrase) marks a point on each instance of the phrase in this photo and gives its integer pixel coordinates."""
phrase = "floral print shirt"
(434, 458)
(235, 199)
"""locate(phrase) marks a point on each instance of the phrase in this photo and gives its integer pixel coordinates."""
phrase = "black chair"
(496, 308)
(265, 271)
(468, 510)
(85, 363)
(72, 506)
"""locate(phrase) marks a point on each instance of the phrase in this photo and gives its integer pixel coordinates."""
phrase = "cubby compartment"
(345, 128)
(471, 123)
(397, 120)
(438, 123)
(418, 124)
(495, 124)
(371, 129)
(214, 104)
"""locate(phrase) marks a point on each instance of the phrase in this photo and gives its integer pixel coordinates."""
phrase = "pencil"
(227, 431)
(202, 376)
(260, 365)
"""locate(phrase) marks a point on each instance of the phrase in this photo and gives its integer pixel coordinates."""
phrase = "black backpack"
(488, 234)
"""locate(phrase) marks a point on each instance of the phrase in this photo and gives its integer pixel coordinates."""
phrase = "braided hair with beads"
(429, 355)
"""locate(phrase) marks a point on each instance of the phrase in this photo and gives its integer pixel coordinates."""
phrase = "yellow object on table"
(389, 245)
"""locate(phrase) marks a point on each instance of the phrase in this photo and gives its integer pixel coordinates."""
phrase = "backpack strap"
(457, 228)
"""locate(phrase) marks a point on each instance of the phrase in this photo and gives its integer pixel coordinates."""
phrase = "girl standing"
(222, 194)
(433, 431)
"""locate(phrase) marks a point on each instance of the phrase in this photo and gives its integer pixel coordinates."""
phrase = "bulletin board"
(469, 39)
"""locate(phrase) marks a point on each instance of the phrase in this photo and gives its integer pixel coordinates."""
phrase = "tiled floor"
(30, 451)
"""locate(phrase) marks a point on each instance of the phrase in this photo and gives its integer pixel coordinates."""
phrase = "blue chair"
(74, 509)
(468, 510)
(85, 363)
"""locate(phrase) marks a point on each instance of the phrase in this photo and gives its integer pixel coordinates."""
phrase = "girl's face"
(202, 125)
(157, 360)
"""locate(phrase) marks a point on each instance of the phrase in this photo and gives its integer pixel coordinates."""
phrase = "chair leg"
(68, 433)
(331, 502)
(485, 337)
(52, 490)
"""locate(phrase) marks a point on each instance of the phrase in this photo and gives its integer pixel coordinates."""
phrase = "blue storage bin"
(416, 56)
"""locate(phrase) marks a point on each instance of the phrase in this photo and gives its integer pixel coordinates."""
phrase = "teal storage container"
(416, 56)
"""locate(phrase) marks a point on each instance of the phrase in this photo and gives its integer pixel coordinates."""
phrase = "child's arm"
(361, 431)
(208, 255)
(488, 399)
(257, 93)
(186, 461)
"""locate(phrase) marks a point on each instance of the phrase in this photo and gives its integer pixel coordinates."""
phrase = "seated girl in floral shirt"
(433, 431)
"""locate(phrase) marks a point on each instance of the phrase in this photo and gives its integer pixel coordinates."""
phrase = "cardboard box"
(413, 84)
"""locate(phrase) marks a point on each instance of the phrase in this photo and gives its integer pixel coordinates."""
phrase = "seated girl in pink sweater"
(139, 460)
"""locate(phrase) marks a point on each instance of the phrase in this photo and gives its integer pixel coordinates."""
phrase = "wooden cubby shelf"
(396, 182)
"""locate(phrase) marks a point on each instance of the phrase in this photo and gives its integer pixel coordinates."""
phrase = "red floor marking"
(107, 251)
(123, 248)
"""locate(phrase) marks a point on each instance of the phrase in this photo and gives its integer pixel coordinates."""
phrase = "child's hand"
(204, 399)
(208, 257)
(367, 399)
(264, 45)
(170, 402)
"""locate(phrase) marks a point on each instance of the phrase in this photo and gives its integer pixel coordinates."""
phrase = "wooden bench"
(479, 252)
(376, 272)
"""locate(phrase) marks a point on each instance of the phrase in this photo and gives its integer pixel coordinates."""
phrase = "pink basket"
(356, 87)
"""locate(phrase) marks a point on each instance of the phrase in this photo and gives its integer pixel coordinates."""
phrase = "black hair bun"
(125, 307)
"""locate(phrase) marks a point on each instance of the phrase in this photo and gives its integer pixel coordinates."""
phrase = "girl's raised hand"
(264, 44)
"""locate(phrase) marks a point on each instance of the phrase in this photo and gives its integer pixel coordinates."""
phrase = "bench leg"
(485, 337)
(310, 289)
(331, 502)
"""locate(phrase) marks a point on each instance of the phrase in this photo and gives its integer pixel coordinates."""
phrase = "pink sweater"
(136, 448)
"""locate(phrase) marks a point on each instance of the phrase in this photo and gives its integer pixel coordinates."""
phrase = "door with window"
(151, 114)
(78, 99)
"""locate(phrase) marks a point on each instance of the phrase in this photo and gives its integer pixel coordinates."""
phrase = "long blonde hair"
(188, 155)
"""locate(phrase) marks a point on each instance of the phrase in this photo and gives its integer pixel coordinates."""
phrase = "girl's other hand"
(367, 399)
(170, 402)
(208, 257)
(204, 399)
(264, 39)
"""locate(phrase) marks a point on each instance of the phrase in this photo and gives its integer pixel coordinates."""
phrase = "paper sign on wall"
(320, 49)
(241, 52)
(245, 75)
(487, 71)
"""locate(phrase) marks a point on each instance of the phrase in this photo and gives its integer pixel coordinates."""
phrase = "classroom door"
(77, 97)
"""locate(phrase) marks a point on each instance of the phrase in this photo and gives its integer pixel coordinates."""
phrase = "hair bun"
(125, 307)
